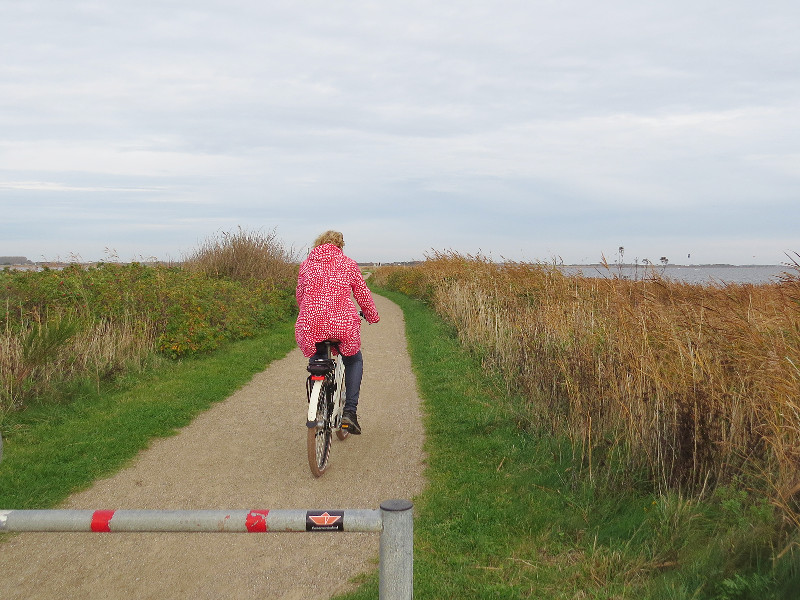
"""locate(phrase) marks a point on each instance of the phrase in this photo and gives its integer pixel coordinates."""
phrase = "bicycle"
(325, 390)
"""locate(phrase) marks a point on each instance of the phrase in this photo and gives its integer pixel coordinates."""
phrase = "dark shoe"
(350, 423)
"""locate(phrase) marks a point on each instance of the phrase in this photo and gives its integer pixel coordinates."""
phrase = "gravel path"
(248, 452)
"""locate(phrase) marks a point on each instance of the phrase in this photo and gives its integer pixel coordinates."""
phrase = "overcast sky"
(526, 130)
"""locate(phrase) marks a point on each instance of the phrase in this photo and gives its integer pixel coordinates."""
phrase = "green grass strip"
(53, 450)
(492, 489)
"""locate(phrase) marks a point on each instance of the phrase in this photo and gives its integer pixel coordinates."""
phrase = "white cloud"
(50, 186)
(126, 159)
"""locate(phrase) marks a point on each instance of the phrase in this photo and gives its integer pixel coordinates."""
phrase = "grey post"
(397, 551)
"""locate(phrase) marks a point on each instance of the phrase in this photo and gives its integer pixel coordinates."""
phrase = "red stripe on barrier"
(256, 521)
(101, 520)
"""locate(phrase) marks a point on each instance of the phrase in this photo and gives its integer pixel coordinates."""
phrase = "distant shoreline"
(675, 265)
(23, 262)
(700, 273)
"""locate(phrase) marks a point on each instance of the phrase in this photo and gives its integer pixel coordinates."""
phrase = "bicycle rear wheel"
(318, 441)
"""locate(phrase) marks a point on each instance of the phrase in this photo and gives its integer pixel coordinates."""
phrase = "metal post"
(397, 551)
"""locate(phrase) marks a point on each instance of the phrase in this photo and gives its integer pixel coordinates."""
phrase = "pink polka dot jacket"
(324, 284)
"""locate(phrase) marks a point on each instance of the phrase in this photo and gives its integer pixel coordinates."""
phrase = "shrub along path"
(246, 453)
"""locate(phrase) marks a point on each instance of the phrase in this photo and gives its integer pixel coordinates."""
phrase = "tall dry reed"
(244, 255)
(691, 385)
(35, 363)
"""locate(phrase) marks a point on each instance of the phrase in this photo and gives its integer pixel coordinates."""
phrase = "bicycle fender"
(311, 420)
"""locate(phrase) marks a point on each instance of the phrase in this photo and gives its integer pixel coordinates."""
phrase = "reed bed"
(686, 386)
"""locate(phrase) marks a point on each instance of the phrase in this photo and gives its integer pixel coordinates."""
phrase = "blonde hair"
(330, 237)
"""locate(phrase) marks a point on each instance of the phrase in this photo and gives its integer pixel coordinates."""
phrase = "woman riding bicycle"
(326, 279)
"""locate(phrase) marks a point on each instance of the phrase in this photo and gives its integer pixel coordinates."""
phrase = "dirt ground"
(248, 452)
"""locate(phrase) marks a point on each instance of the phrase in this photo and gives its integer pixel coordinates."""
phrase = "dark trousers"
(353, 372)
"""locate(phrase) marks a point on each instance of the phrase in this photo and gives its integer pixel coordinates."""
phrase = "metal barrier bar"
(219, 521)
(394, 521)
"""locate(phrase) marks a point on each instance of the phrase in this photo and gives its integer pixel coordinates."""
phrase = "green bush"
(189, 311)
(94, 320)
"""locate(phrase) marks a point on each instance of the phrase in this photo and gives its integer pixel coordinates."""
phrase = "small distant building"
(15, 261)
(10, 261)
(18, 263)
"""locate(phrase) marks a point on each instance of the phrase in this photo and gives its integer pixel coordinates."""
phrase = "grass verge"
(54, 449)
(507, 513)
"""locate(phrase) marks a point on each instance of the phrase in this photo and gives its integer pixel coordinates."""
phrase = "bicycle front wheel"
(318, 441)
